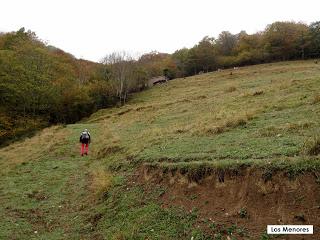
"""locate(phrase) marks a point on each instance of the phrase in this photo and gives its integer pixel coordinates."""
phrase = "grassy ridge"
(265, 115)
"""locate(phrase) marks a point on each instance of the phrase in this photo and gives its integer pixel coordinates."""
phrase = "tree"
(249, 49)
(121, 69)
(226, 43)
(202, 57)
(286, 40)
(180, 57)
(314, 30)
(155, 62)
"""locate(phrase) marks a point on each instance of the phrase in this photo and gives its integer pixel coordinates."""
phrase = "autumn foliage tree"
(279, 41)
(41, 85)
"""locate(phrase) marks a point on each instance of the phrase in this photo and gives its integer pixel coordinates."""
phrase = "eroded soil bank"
(247, 200)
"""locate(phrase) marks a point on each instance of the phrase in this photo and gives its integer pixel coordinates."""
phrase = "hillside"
(213, 156)
(42, 85)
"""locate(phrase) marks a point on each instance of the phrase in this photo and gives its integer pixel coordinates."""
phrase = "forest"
(41, 85)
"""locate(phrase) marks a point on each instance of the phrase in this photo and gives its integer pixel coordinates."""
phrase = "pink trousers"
(84, 148)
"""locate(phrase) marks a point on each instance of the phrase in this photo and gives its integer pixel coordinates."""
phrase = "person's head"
(86, 130)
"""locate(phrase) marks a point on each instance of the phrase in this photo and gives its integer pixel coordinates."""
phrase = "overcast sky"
(90, 29)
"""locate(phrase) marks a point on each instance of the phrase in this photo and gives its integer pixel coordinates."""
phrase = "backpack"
(85, 136)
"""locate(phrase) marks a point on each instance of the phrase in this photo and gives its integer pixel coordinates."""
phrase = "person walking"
(85, 139)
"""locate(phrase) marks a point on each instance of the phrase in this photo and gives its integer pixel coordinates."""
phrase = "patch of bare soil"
(246, 199)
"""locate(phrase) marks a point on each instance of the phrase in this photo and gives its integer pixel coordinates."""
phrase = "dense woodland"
(42, 85)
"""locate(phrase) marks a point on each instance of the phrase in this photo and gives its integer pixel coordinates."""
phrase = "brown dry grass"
(257, 93)
(106, 142)
(272, 131)
(108, 150)
(316, 99)
(208, 128)
(101, 181)
(230, 89)
(33, 148)
(311, 146)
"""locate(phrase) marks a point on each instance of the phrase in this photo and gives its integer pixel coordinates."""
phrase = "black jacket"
(85, 140)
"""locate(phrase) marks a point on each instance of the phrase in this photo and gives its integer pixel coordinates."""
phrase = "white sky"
(92, 28)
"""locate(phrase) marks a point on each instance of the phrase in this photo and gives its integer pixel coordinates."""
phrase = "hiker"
(85, 140)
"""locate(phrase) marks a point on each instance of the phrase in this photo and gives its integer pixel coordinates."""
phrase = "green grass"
(135, 215)
(196, 119)
(45, 194)
(264, 116)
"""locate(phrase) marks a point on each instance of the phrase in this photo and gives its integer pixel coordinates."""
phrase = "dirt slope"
(246, 198)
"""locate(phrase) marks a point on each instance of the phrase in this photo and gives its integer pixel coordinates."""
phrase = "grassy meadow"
(256, 115)
(265, 116)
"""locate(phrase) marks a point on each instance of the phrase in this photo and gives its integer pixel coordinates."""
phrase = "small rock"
(35, 232)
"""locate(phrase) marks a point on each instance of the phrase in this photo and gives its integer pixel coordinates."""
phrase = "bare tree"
(120, 67)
